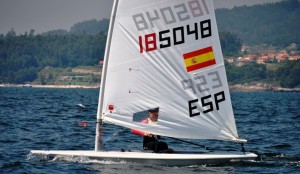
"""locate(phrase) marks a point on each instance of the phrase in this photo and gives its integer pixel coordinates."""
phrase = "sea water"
(64, 119)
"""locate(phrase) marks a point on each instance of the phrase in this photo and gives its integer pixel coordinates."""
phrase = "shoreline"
(49, 86)
(261, 87)
(236, 87)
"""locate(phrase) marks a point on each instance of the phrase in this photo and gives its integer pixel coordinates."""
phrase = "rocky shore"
(260, 87)
(47, 86)
(236, 87)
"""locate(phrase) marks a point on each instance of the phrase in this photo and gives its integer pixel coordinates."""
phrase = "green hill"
(48, 57)
(273, 23)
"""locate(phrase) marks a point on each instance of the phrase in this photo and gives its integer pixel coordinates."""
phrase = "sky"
(47, 15)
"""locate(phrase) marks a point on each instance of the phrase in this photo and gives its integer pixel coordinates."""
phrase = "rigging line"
(208, 148)
(243, 149)
(114, 135)
(189, 142)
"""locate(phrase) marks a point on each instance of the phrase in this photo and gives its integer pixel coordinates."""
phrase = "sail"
(166, 54)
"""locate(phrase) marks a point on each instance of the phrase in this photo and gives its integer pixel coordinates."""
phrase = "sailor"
(150, 141)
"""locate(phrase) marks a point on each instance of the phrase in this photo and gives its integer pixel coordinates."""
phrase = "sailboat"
(164, 54)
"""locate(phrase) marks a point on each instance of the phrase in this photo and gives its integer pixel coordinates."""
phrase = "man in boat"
(150, 141)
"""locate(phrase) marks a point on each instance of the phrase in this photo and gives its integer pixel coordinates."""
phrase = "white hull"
(168, 159)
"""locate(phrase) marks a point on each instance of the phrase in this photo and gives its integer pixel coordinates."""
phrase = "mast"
(99, 123)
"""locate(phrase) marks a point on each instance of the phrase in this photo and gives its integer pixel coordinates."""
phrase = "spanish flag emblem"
(199, 59)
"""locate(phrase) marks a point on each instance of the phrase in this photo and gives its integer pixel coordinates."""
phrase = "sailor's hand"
(151, 135)
(148, 134)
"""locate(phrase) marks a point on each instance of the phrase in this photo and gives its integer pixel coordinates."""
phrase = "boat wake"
(85, 160)
(60, 158)
(279, 159)
(264, 160)
(270, 160)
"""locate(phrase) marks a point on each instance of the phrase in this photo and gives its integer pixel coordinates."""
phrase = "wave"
(281, 146)
(58, 158)
(264, 160)
(11, 165)
(81, 105)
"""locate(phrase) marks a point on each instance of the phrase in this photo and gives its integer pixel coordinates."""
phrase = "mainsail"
(166, 54)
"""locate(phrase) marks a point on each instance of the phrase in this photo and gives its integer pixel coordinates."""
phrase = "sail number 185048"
(175, 36)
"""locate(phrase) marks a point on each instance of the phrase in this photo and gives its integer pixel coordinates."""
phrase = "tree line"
(285, 74)
(23, 56)
(273, 23)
